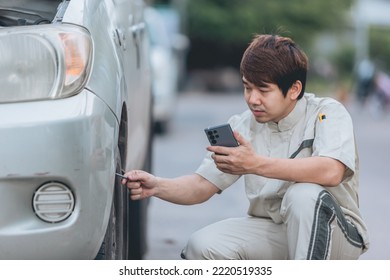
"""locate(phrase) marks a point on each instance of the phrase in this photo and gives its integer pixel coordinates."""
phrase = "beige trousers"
(313, 228)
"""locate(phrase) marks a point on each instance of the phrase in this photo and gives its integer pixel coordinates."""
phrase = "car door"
(134, 56)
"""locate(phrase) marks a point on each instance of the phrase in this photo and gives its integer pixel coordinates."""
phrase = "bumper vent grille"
(53, 202)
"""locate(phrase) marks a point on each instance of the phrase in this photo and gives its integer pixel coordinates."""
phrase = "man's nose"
(255, 99)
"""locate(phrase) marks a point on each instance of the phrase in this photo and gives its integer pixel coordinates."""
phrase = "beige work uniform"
(289, 220)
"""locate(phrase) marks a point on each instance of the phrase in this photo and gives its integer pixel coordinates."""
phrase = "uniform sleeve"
(210, 172)
(334, 135)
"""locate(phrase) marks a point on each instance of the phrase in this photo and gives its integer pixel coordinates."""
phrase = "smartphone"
(221, 135)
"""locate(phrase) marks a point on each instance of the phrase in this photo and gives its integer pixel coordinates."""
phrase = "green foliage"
(344, 60)
(232, 20)
(379, 47)
(225, 27)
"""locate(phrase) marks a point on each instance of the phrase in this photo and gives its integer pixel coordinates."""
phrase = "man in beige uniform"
(299, 158)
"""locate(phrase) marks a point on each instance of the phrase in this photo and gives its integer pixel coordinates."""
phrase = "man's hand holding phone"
(238, 157)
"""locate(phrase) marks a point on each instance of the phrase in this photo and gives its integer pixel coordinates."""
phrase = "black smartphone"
(221, 135)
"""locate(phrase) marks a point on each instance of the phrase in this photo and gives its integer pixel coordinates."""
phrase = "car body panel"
(74, 140)
(50, 142)
(118, 35)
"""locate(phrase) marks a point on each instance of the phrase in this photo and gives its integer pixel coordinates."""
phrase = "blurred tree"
(379, 47)
(220, 30)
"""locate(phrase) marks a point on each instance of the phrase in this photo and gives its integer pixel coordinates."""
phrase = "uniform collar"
(291, 119)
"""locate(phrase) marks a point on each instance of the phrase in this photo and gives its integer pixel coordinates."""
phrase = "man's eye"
(264, 90)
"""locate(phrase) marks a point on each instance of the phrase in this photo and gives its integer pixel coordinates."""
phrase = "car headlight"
(43, 62)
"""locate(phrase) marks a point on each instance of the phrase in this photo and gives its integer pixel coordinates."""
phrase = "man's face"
(268, 103)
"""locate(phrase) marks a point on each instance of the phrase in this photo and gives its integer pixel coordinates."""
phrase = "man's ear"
(295, 90)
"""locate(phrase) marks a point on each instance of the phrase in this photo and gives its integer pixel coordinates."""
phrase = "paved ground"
(181, 150)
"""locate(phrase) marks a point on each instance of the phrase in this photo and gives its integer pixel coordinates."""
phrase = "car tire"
(138, 212)
(115, 243)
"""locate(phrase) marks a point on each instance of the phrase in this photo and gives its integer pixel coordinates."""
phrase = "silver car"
(75, 108)
(168, 48)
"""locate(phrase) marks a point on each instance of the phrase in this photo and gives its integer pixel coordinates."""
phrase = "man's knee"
(303, 191)
(197, 247)
(300, 198)
(215, 242)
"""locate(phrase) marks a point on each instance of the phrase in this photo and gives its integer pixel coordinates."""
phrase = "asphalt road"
(180, 151)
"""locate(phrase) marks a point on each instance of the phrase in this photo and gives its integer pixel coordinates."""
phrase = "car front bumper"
(71, 141)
